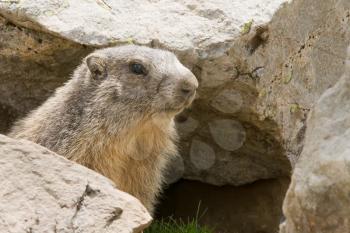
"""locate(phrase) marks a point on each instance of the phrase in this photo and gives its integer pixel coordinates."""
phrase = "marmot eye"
(138, 69)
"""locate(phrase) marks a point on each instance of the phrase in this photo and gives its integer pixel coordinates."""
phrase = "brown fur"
(114, 121)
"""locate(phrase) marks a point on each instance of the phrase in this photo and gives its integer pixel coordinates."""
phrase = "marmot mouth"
(178, 107)
(174, 110)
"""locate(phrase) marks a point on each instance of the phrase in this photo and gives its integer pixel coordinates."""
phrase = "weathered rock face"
(43, 192)
(304, 57)
(197, 25)
(33, 65)
(318, 198)
(257, 84)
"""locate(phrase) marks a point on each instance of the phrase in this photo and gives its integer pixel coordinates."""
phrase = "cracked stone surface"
(318, 198)
(198, 24)
(261, 63)
(43, 192)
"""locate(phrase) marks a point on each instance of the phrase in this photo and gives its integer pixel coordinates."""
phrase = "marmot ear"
(97, 66)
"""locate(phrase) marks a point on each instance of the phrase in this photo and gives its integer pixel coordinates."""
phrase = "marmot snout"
(116, 116)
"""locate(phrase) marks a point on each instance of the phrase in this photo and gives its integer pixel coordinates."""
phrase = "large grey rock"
(43, 192)
(260, 63)
(181, 25)
(318, 199)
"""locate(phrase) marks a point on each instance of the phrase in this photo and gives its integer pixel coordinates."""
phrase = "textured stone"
(228, 101)
(187, 127)
(303, 57)
(43, 192)
(202, 155)
(33, 65)
(228, 134)
(197, 25)
(276, 55)
(318, 198)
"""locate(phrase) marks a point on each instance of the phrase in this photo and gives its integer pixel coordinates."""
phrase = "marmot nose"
(188, 89)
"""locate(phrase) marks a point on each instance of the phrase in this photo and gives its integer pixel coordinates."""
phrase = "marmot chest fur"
(116, 116)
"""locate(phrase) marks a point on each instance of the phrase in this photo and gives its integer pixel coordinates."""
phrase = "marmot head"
(141, 78)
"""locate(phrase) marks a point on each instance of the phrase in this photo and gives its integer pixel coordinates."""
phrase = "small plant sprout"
(293, 108)
(247, 27)
(288, 77)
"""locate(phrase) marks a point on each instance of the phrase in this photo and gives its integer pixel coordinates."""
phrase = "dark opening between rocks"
(7, 116)
(252, 208)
